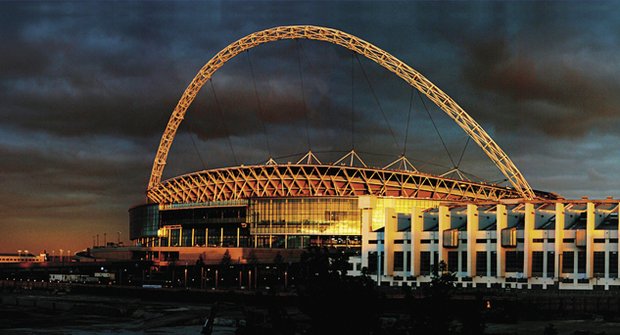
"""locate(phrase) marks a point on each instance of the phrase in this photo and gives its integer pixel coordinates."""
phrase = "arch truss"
(307, 180)
(370, 51)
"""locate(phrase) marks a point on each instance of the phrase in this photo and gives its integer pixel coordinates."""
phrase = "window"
(509, 237)
(550, 264)
(453, 261)
(537, 263)
(408, 265)
(464, 261)
(399, 259)
(481, 263)
(581, 261)
(372, 262)
(613, 264)
(567, 262)
(451, 238)
(514, 261)
(493, 263)
(599, 264)
(425, 262)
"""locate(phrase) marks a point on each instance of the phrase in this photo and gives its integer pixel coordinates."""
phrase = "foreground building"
(509, 244)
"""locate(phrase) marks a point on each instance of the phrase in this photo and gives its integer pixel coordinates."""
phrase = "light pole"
(185, 273)
(250, 279)
(19, 253)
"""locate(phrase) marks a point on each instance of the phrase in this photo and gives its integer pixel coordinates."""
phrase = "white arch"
(381, 57)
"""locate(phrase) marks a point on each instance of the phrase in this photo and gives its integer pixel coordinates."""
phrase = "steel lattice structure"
(304, 180)
(181, 188)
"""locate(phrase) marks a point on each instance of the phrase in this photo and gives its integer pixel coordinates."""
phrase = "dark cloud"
(87, 89)
(551, 95)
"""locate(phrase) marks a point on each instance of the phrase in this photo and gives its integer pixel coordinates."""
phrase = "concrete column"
(502, 223)
(472, 233)
(560, 223)
(181, 237)
(618, 243)
(607, 251)
(444, 224)
(222, 237)
(530, 217)
(366, 204)
(487, 251)
(238, 237)
(388, 242)
(591, 219)
(545, 252)
(417, 226)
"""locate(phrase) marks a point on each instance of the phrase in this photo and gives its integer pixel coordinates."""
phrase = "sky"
(87, 88)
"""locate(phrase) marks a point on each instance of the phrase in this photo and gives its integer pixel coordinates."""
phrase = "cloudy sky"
(86, 90)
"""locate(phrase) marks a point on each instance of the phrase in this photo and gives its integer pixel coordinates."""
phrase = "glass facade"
(301, 222)
(305, 216)
(144, 222)
(293, 223)
(400, 205)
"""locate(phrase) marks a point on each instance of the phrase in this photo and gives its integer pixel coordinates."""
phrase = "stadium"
(395, 222)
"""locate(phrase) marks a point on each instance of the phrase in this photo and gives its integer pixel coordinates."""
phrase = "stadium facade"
(396, 222)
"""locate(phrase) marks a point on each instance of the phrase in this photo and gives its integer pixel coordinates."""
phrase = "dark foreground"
(83, 309)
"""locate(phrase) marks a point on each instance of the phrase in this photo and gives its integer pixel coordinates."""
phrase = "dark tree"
(337, 303)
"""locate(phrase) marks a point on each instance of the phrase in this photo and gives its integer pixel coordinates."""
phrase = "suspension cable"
(260, 109)
(463, 152)
(376, 99)
(303, 93)
(436, 129)
(220, 112)
(352, 101)
(191, 135)
(408, 119)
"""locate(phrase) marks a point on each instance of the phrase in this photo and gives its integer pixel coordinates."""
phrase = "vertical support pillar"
(181, 237)
(560, 223)
(444, 224)
(417, 226)
(222, 237)
(530, 217)
(366, 204)
(472, 234)
(238, 237)
(618, 249)
(501, 216)
(169, 237)
(193, 237)
(545, 253)
(207, 237)
(591, 218)
(607, 251)
(388, 241)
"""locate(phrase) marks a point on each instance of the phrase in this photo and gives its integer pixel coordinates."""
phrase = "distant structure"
(395, 221)
(22, 257)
